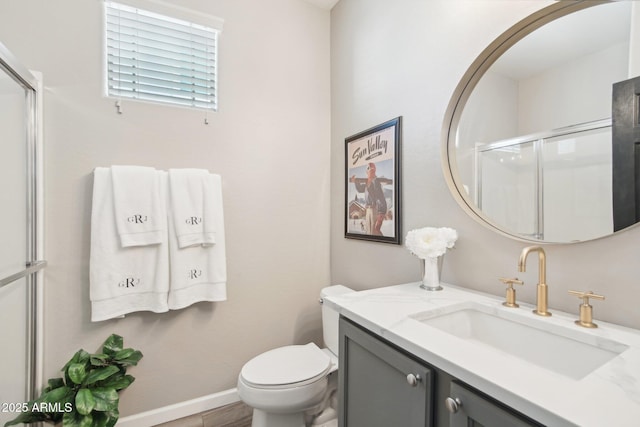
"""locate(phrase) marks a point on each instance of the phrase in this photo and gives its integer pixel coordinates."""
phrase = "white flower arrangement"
(430, 242)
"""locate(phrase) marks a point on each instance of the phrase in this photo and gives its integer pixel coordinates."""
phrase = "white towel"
(123, 280)
(199, 273)
(140, 214)
(192, 207)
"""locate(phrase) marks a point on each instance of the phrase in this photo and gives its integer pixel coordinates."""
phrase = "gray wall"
(405, 58)
(269, 144)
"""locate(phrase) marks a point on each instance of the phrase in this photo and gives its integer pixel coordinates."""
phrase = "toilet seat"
(286, 367)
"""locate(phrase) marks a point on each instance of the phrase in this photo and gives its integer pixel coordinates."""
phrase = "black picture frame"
(372, 184)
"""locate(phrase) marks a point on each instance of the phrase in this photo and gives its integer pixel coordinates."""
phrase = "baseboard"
(180, 410)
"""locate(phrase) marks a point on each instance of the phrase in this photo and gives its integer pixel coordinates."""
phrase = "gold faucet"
(541, 309)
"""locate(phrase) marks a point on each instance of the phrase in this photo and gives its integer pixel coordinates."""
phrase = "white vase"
(431, 271)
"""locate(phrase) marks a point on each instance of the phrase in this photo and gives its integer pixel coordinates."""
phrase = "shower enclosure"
(553, 186)
(20, 234)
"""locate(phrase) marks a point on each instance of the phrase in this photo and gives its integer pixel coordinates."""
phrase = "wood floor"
(234, 415)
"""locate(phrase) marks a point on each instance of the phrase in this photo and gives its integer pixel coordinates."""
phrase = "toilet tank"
(330, 317)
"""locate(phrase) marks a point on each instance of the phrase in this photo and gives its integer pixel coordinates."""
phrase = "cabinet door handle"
(413, 380)
(453, 404)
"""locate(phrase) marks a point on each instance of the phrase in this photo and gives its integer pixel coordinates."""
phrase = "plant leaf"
(53, 383)
(74, 419)
(59, 394)
(106, 399)
(112, 345)
(99, 359)
(85, 402)
(27, 418)
(113, 420)
(118, 382)
(128, 357)
(77, 372)
(81, 356)
(103, 419)
(100, 374)
(99, 419)
(123, 354)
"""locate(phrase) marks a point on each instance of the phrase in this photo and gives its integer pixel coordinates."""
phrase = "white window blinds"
(158, 58)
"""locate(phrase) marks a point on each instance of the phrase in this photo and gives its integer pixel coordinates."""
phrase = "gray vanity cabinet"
(381, 386)
(470, 409)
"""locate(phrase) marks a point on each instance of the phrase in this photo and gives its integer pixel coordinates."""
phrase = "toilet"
(296, 385)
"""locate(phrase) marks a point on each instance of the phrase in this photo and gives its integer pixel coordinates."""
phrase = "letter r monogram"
(137, 219)
(193, 220)
(129, 282)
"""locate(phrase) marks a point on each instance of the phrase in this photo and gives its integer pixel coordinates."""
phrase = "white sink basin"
(564, 350)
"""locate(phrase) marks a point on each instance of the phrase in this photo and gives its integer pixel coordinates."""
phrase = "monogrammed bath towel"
(199, 273)
(124, 279)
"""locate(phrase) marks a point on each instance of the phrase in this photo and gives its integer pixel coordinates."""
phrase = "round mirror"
(538, 139)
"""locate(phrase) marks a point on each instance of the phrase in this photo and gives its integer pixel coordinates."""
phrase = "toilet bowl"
(293, 385)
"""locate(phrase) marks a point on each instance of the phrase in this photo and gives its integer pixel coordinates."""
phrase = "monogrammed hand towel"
(192, 207)
(140, 215)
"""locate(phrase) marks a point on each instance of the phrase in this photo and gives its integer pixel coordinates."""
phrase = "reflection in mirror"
(529, 146)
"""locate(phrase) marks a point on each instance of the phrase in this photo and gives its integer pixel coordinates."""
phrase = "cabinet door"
(470, 409)
(380, 386)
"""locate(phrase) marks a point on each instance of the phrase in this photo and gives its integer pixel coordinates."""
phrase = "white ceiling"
(324, 4)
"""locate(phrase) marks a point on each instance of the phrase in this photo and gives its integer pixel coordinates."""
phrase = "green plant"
(87, 394)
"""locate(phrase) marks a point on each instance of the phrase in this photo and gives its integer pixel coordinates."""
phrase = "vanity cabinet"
(381, 385)
(468, 408)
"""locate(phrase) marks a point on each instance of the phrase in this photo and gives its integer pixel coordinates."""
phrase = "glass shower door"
(13, 176)
(19, 235)
(13, 333)
(14, 298)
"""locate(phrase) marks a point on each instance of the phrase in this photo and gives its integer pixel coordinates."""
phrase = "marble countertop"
(607, 396)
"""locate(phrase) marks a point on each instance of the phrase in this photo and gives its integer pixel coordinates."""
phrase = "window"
(153, 57)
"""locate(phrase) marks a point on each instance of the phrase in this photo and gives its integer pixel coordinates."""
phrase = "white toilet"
(295, 386)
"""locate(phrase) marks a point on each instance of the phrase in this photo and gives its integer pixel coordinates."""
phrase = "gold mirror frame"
(468, 83)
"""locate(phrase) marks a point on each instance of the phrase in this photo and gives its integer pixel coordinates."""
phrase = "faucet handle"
(510, 282)
(586, 295)
(511, 293)
(586, 310)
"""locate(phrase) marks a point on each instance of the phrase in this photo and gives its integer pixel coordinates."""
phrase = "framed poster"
(372, 183)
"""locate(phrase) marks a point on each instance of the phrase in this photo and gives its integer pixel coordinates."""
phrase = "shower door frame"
(32, 83)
